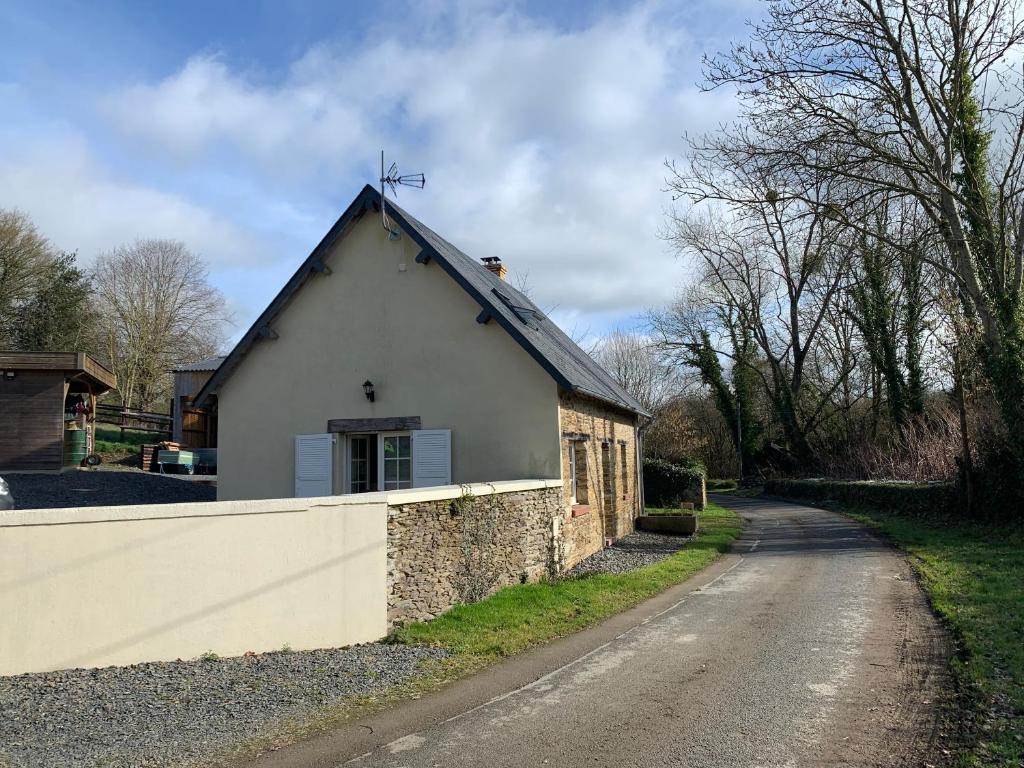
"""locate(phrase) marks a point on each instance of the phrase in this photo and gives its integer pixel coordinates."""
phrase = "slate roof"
(209, 364)
(571, 367)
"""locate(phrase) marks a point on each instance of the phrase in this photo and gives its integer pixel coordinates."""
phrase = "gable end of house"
(499, 302)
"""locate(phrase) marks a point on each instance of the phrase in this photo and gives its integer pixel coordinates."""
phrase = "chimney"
(493, 264)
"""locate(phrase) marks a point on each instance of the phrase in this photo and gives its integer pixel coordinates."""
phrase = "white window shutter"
(314, 465)
(431, 457)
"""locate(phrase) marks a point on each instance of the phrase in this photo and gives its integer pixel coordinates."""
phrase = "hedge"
(914, 499)
(666, 484)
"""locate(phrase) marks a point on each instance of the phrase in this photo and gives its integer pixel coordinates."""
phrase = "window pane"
(405, 470)
(390, 471)
(405, 446)
(390, 447)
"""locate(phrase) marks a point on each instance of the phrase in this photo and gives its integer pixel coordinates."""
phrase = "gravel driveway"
(630, 552)
(176, 713)
(100, 488)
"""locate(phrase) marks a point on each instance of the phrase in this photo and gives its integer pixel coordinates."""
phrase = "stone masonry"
(603, 439)
(442, 553)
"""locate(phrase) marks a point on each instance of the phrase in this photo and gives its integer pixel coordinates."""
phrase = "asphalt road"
(810, 646)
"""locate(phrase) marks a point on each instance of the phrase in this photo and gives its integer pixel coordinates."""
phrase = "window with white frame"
(396, 455)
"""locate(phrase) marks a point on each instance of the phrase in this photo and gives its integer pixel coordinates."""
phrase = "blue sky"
(244, 129)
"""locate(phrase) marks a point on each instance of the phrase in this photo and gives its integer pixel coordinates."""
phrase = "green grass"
(974, 576)
(108, 440)
(506, 623)
(522, 616)
(671, 511)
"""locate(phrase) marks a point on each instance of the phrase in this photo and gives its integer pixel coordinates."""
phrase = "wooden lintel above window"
(576, 435)
(386, 424)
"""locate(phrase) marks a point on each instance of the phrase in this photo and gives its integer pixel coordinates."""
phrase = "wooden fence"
(129, 418)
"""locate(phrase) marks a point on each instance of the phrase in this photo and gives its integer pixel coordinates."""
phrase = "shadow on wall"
(100, 586)
(174, 626)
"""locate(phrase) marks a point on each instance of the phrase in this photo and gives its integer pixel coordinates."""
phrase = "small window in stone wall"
(578, 472)
(624, 469)
(608, 475)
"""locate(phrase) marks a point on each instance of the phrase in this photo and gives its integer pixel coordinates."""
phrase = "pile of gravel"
(175, 713)
(629, 553)
(85, 488)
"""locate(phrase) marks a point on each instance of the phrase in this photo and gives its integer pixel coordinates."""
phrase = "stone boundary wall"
(99, 586)
(458, 544)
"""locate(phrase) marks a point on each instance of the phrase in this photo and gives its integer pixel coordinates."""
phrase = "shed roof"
(571, 367)
(209, 364)
(74, 363)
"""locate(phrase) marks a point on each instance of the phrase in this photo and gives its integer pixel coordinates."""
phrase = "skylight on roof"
(527, 315)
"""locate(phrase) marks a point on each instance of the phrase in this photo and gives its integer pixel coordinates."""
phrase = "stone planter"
(681, 524)
(697, 494)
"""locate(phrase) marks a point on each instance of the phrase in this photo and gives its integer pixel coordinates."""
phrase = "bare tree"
(637, 364)
(158, 310)
(914, 98)
(774, 266)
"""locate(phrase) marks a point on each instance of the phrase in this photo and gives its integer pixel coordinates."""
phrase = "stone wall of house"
(458, 550)
(582, 536)
(603, 439)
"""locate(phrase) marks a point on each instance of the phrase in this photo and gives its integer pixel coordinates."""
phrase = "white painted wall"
(118, 585)
(414, 334)
(100, 586)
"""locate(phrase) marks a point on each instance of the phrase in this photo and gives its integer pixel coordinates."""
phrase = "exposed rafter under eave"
(490, 308)
(313, 265)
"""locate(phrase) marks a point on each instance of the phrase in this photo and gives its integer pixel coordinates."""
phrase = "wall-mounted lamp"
(8, 374)
(368, 390)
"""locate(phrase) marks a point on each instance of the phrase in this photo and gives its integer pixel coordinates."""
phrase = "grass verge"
(514, 620)
(522, 616)
(973, 575)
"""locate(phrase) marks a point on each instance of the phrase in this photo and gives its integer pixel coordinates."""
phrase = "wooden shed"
(46, 400)
(193, 427)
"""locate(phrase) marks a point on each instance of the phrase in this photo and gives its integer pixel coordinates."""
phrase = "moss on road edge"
(973, 576)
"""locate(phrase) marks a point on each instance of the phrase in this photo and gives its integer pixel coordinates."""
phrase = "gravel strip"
(84, 488)
(175, 713)
(629, 553)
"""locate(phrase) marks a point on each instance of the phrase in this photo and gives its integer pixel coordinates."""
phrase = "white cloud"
(541, 146)
(80, 206)
(206, 103)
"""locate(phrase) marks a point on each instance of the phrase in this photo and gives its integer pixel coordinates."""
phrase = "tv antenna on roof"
(393, 181)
